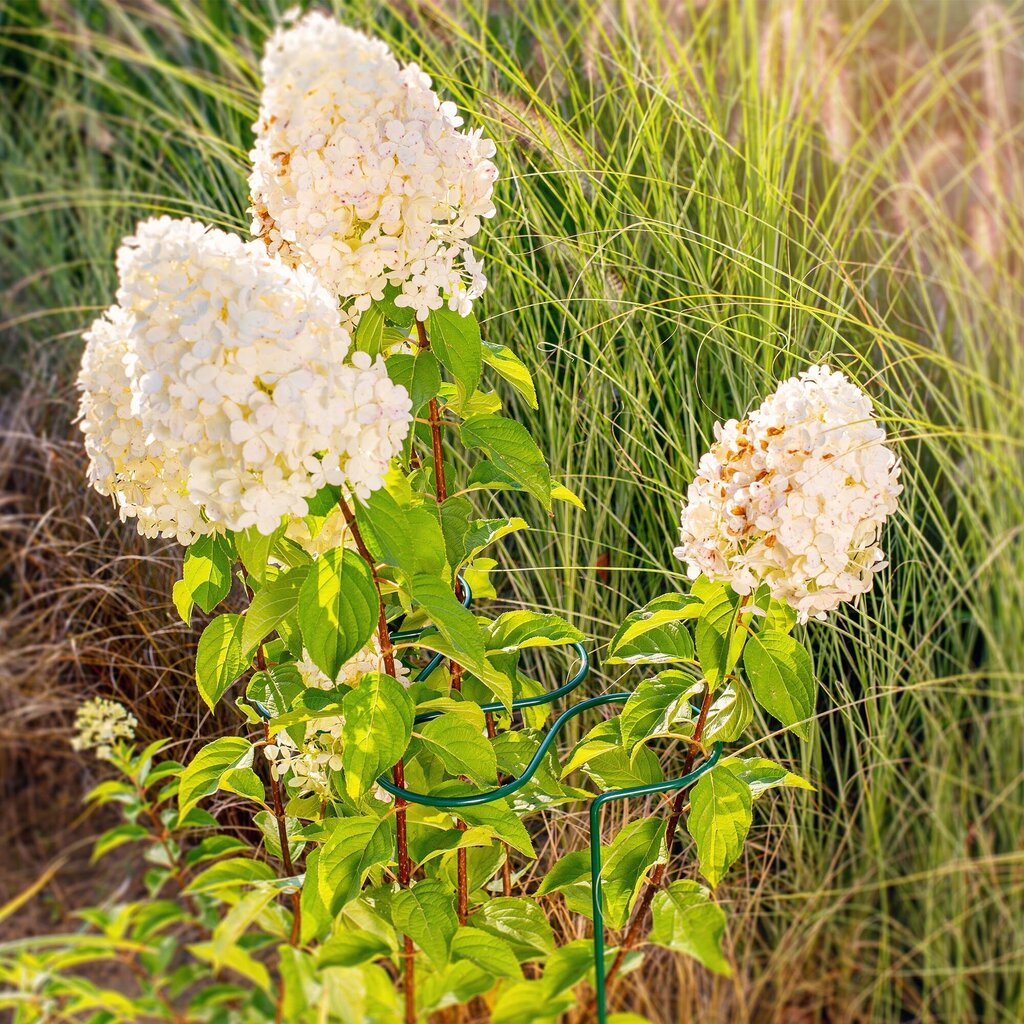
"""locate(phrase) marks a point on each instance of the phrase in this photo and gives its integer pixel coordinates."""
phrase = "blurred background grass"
(698, 198)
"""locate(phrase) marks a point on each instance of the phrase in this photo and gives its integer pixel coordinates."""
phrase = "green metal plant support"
(453, 802)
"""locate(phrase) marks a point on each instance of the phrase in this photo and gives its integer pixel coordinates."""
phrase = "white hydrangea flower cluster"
(145, 477)
(214, 395)
(99, 723)
(369, 659)
(795, 497)
(361, 173)
(310, 766)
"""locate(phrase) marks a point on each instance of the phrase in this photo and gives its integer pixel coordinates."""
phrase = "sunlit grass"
(696, 202)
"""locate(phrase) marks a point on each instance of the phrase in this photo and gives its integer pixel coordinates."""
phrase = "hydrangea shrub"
(289, 408)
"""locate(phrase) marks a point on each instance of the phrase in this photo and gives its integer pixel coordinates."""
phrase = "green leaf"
(419, 374)
(254, 550)
(495, 815)
(685, 920)
(234, 873)
(489, 952)
(508, 365)
(378, 725)
(129, 832)
(569, 965)
(529, 1002)
(275, 600)
(761, 774)
(337, 609)
(658, 707)
(781, 676)
(181, 596)
(729, 715)
(350, 948)
(627, 860)
(719, 641)
(664, 610)
(219, 657)
(719, 819)
(426, 913)
(458, 636)
(455, 340)
(400, 316)
(236, 922)
(478, 402)
(235, 959)
(276, 688)
(215, 760)
(369, 332)
(512, 450)
(660, 645)
(408, 537)
(518, 630)
(461, 748)
(206, 569)
(519, 921)
(355, 846)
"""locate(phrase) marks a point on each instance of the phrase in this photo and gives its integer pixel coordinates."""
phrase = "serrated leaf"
(637, 848)
(206, 569)
(520, 922)
(729, 715)
(512, 450)
(685, 920)
(276, 688)
(518, 630)
(234, 959)
(350, 948)
(719, 820)
(718, 639)
(408, 537)
(455, 340)
(275, 600)
(378, 725)
(489, 952)
(667, 608)
(128, 832)
(254, 549)
(419, 374)
(461, 748)
(761, 774)
(181, 597)
(203, 774)
(426, 913)
(337, 609)
(219, 657)
(509, 366)
(658, 707)
(355, 846)
(781, 676)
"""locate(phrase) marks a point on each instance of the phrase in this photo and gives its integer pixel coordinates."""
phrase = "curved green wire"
(512, 786)
(596, 866)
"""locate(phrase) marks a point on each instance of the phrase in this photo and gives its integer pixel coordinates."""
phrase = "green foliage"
(685, 920)
(337, 609)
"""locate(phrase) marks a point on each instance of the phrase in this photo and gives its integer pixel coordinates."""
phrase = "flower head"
(361, 173)
(100, 723)
(369, 659)
(795, 497)
(215, 395)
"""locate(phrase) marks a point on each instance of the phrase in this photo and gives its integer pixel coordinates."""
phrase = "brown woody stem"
(398, 771)
(441, 494)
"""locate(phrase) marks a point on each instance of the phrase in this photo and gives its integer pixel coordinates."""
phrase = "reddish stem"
(398, 771)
